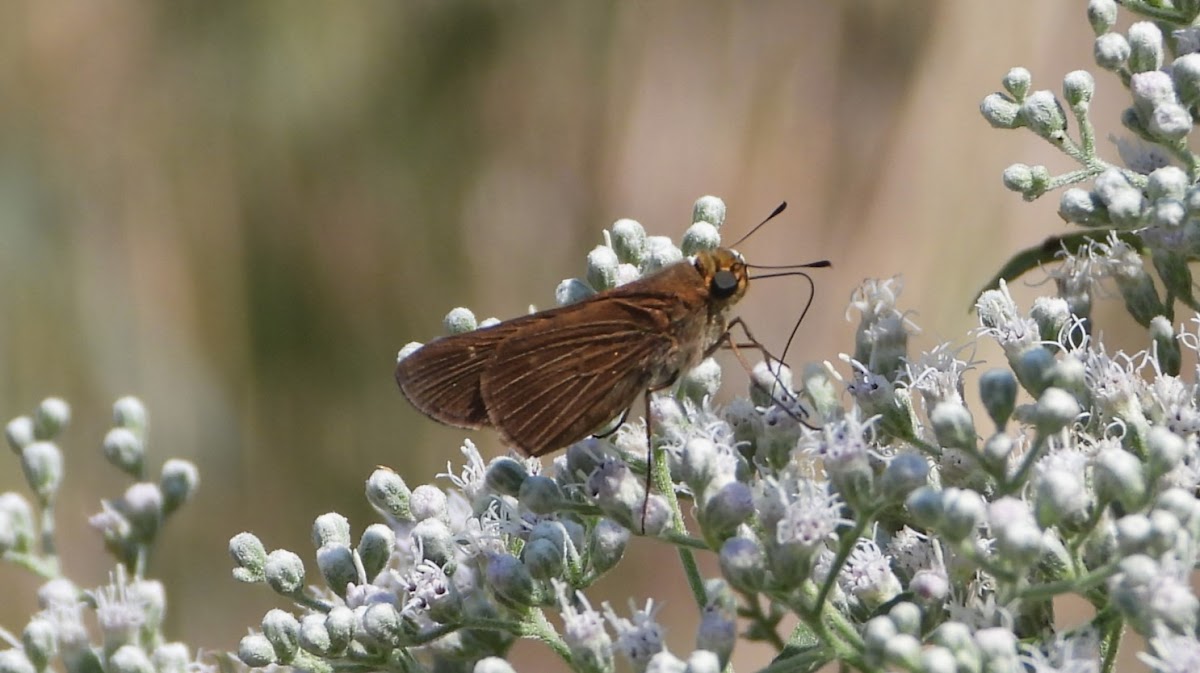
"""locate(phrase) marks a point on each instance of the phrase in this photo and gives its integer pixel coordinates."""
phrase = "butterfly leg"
(798, 414)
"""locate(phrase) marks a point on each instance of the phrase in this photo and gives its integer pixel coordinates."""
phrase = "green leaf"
(1047, 252)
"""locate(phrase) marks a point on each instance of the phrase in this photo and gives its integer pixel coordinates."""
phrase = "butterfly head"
(724, 273)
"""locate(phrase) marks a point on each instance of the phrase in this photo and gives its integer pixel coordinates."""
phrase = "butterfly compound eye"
(724, 284)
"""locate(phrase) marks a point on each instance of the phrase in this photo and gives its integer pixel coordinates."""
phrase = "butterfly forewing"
(555, 383)
(441, 378)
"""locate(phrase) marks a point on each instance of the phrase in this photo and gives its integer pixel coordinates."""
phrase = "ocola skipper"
(549, 379)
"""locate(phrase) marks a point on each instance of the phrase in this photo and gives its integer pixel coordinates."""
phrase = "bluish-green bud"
(459, 320)
(250, 556)
(543, 559)
(19, 433)
(907, 617)
(1054, 410)
(541, 495)
(602, 265)
(1165, 451)
(505, 476)
(904, 474)
(1017, 82)
(1102, 14)
(428, 502)
(336, 563)
(607, 544)
(726, 509)
(179, 480)
(284, 572)
(509, 578)
(382, 624)
(43, 466)
(1117, 477)
(572, 290)
(925, 505)
(340, 624)
(1080, 206)
(952, 425)
(709, 209)
(962, 512)
(124, 450)
(1035, 369)
(129, 659)
(700, 236)
(171, 658)
(998, 390)
(51, 416)
(256, 651)
(436, 541)
(629, 241)
(16, 523)
(40, 640)
(389, 495)
(1111, 51)
(1078, 87)
(313, 636)
(1001, 112)
(331, 528)
(701, 381)
(660, 252)
(15, 661)
(282, 630)
(1185, 73)
(743, 563)
(130, 413)
(1043, 114)
(1059, 497)
(1146, 47)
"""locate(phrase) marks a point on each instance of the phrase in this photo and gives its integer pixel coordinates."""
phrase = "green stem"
(536, 626)
(1010, 486)
(662, 481)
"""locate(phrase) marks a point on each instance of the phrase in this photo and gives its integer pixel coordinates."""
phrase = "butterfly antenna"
(778, 209)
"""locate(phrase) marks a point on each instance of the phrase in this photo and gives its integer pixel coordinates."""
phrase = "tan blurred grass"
(240, 211)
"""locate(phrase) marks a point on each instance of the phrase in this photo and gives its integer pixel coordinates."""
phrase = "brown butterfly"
(549, 379)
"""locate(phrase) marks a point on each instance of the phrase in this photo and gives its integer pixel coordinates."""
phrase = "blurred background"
(241, 211)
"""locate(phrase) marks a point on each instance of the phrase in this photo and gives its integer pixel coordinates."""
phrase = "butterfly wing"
(441, 378)
(556, 380)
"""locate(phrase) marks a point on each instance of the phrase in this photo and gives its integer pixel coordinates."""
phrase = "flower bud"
(953, 426)
(428, 502)
(282, 630)
(330, 528)
(389, 495)
(660, 253)
(256, 651)
(313, 636)
(1111, 51)
(375, 549)
(725, 510)
(607, 544)
(702, 381)
(904, 474)
(602, 265)
(435, 541)
(629, 241)
(505, 476)
(998, 390)
(1079, 206)
(284, 572)
(381, 623)
(742, 564)
(709, 209)
(1054, 410)
(19, 433)
(572, 290)
(962, 512)
(129, 659)
(509, 578)
(40, 642)
(250, 556)
(1060, 497)
(1043, 114)
(541, 495)
(459, 320)
(1166, 450)
(1102, 14)
(700, 236)
(179, 480)
(51, 416)
(1117, 477)
(43, 466)
(1017, 82)
(1146, 47)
